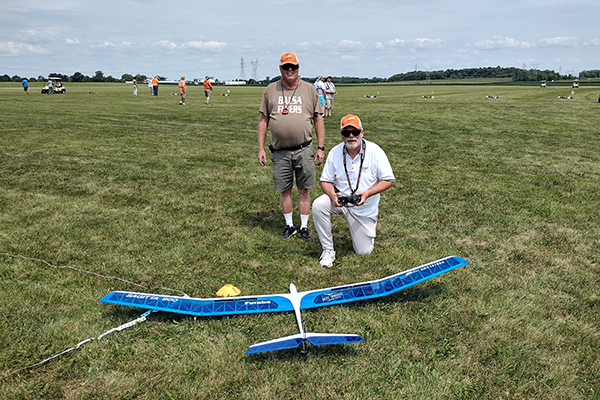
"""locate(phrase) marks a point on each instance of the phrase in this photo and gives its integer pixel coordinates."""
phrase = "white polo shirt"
(375, 168)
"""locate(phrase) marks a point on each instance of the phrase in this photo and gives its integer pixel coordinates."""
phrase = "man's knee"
(364, 247)
(320, 204)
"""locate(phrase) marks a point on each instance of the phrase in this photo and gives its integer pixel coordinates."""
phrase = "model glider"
(292, 301)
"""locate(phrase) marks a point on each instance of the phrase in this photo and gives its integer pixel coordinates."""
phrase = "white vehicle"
(56, 87)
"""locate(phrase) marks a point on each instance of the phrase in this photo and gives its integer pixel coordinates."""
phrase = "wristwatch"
(321, 148)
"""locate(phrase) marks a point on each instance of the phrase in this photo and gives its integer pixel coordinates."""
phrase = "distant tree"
(5, 78)
(594, 73)
(98, 77)
(78, 77)
(126, 77)
(140, 78)
(16, 78)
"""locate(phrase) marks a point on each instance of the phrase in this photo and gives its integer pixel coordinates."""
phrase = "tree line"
(79, 77)
(515, 74)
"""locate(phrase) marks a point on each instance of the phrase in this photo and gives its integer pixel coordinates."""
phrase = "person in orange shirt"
(182, 90)
(207, 89)
(155, 85)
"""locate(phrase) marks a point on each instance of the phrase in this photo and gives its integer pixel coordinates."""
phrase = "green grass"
(168, 196)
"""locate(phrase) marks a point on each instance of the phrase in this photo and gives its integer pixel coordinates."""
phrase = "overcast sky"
(377, 38)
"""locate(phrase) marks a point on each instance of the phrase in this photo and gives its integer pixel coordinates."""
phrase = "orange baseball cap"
(350, 120)
(288, 58)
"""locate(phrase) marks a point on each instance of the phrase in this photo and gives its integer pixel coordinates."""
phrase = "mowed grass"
(168, 196)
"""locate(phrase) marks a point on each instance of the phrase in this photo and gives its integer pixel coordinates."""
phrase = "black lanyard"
(362, 159)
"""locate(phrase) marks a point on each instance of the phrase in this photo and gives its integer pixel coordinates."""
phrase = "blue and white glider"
(293, 301)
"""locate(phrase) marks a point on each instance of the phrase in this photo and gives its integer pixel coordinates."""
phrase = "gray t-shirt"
(294, 127)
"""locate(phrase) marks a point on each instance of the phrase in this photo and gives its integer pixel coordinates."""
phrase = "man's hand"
(262, 157)
(319, 156)
(363, 198)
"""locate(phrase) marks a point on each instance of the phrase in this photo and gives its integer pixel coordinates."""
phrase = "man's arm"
(329, 189)
(380, 187)
(263, 123)
(320, 132)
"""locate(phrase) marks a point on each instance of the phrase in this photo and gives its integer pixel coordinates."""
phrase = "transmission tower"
(242, 72)
(255, 65)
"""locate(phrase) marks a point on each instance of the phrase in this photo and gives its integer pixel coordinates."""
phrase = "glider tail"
(292, 342)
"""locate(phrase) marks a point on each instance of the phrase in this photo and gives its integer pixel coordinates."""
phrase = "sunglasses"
(294, 67)
(353, 132)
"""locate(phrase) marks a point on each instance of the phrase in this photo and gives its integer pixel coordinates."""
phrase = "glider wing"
(381, 287)
(201, 307)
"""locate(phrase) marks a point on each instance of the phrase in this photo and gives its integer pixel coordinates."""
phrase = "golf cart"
(56, 86)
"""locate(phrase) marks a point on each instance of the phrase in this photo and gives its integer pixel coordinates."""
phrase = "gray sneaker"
(304, 235)
(288, 231)
(327, 258)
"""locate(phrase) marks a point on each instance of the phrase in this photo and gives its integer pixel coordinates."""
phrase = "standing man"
(182, 90)
(329, 92)
(135, 88)
(25, 84)
(290, 107)
(155, 85)
(207, 88)
(355, 172)
(320, 86)
(150, 86)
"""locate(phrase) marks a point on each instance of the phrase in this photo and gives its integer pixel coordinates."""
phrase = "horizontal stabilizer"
(291, 342)
(319, 339)
(288, 342)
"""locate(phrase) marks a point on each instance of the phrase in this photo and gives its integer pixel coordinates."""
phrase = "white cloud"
(350, 58)
(499, 42)
(166, 44)
(208, 46)
(122, 45)
(414, 43)
(349, 44)
(71, 42)
(559, 41)
(18, 49)
(593, 42)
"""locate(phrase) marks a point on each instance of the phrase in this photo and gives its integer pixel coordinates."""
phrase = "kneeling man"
(355, 173)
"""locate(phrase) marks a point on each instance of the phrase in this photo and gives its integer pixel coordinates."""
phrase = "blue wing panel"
(201, 307)
(382, 287)
(323, 339)
(278, 344)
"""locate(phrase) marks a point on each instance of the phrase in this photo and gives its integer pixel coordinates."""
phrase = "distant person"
(155, 85)
(25, 84)
(49, 85)
(329, 93)
(320, 86)
(182, 90)
(135, 87)
(207, 88)
(150, 86)
(290, 108)
(355, 173)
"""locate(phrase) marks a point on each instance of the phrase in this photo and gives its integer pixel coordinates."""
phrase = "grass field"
(168, 196)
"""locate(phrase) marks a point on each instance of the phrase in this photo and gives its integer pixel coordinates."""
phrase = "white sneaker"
(327, 258)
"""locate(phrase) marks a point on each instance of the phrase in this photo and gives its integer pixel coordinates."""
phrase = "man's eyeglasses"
(294, 67)
(353, 132)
